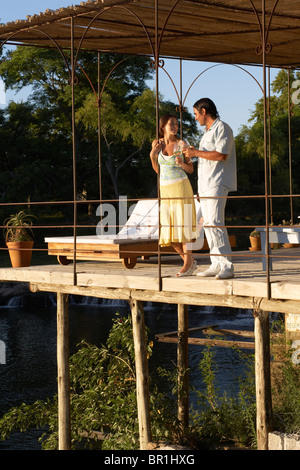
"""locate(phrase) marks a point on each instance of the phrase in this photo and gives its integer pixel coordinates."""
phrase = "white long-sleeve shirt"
(211, 173)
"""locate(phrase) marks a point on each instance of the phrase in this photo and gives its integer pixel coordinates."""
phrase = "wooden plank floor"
(249, 280)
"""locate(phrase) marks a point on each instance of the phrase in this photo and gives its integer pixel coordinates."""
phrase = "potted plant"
(19, 238)
(255, 241)
(288, 245)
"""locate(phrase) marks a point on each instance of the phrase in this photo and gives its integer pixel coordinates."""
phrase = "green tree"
(250, 149)
(33, 163)
(127, 119)
(103, 399)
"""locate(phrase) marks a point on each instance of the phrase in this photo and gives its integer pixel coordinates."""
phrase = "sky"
(233, 90)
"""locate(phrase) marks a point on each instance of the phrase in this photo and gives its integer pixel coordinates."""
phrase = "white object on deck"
(277, 235)
(142, 226)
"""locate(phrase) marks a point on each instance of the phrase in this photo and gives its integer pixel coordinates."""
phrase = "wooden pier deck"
(111, 280)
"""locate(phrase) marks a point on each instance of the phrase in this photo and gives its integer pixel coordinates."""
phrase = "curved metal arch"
(267, 46)
(174, 86)
(103, 11)
(271, 18)
(217, 65)
(90, 82)
(107, 77)
(77, 64)
(165, 23)
(264, 40)
(258, 19)
(98, 99)
(51, 39)
(98, 95)
(66, 63)
(198, 76)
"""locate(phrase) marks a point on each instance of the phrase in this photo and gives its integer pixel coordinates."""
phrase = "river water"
(28, 330)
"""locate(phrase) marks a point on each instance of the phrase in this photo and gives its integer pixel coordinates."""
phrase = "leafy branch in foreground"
(285, 383)
(222, 417)
(103, 399)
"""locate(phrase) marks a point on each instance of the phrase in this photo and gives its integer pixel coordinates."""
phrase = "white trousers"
(213, 212)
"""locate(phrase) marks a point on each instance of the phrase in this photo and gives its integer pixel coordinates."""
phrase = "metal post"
(270, 161)
(74, 148)
(157, 125)
(180, 104)
(265, 148)
(99, 130)
(290, 148)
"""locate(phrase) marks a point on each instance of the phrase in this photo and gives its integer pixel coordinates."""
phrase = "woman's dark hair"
(208, 105)
(163, 121)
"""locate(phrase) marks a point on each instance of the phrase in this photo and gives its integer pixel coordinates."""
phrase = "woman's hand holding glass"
(179, 149)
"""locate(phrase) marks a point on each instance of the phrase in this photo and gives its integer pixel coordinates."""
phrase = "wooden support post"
(182, 364)
(262, 378)
(142, 374)
(63, 372)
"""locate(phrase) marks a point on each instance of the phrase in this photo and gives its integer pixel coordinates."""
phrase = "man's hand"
(190, 152)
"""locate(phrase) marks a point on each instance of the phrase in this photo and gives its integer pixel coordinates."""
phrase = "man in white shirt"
(216, 177)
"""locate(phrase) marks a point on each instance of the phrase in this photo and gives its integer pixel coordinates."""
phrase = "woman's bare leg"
(179, 249)
(185, 254)
(187, 258)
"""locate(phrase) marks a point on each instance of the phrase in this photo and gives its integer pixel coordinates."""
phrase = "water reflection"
(29, 333)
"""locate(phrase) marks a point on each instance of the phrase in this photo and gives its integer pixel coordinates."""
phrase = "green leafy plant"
(17, 227)
(287, 222)
(285, 383)
(103, 399)
(220, 417)
(255, 233)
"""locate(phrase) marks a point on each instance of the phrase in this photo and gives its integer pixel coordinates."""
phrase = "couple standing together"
(216, 177)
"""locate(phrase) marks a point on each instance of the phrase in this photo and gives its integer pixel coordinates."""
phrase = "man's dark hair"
(208, 105)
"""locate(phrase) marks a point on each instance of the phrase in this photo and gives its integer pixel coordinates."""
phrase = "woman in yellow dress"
(177, 216)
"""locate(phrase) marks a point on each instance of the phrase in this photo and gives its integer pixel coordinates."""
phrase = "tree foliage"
(250, 150)
(37, 153)
(103, 399)
(36, 135)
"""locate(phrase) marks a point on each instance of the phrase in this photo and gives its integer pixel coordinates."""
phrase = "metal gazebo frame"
(237, 32)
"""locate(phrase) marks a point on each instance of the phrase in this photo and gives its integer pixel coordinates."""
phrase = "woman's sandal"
(189, 271)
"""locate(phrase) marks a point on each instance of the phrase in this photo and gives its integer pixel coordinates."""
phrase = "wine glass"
(185, 144)
(179, 147)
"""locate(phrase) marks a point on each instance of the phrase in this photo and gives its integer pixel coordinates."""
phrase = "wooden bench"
(138, 238)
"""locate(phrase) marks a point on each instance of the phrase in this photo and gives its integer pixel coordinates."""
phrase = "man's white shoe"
(212, 271)
(225, 273)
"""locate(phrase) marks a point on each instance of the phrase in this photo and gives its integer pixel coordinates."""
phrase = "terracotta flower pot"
(288, 245)
(20, 253)
(255, 244)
